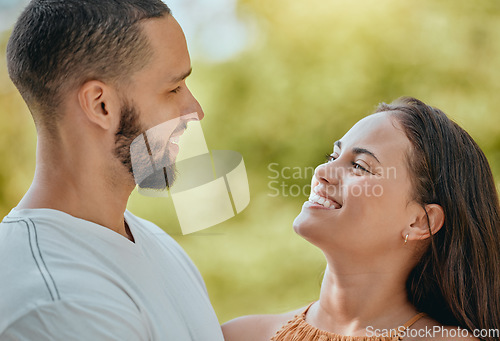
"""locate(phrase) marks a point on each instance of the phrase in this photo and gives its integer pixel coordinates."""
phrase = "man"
(75, 264)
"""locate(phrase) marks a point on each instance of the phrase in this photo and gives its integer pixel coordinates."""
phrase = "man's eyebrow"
(182, 77)
(357, 150)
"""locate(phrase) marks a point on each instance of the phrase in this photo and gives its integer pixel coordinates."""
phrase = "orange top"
(297, 329)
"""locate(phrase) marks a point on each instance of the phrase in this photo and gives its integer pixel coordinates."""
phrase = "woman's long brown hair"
(457, 281)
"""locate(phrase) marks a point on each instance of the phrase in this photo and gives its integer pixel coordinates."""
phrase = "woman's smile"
(319, 198)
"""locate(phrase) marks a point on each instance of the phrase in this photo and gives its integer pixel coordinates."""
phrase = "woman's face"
(360, 199)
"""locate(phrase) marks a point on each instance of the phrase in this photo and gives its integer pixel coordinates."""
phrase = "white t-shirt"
(64, 278)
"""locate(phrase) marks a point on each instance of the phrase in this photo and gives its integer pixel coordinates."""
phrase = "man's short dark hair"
(57, 45)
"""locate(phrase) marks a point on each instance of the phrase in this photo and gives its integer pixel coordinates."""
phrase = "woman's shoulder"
(256, 327)
(430, 330)
(264, 327)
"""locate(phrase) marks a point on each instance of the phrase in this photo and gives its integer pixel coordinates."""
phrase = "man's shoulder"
(42, 264)
(152, 230)
(74, 320)
(11, 223)
(146, 225)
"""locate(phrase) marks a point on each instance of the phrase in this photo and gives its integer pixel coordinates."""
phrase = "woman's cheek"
(363, 188)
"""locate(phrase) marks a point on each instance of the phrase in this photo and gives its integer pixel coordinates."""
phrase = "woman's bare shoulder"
(256, 327)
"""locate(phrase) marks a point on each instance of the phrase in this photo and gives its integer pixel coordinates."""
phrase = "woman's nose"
(327, 174)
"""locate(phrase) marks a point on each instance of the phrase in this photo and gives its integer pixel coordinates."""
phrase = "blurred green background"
(308, 71)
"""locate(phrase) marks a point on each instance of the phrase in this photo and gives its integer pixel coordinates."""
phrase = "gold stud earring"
(406, 239)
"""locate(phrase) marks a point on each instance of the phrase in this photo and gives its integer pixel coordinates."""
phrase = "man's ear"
(422, 227)
(99, 103)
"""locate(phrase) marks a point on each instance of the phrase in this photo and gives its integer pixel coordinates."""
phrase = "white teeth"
(315, 198)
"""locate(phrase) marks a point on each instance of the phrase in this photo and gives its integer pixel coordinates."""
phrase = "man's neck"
(80, 189)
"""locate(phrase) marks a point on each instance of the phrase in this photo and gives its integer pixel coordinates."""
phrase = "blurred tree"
(315, 69)
(17, 140)
(318, 67)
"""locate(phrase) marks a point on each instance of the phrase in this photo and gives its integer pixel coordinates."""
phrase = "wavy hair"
(457, 280)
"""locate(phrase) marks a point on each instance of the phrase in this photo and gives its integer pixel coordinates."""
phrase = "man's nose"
(194, 106)
(201, 113)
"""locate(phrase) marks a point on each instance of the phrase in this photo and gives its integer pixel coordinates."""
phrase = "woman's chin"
(303, 225)
(314, 224)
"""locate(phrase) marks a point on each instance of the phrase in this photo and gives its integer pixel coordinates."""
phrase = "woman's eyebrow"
(357, 150)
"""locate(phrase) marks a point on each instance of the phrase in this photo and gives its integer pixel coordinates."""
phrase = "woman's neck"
(350, 301)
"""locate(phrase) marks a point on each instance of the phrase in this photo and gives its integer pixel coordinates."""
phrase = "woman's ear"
(428, 221)
(99, 103)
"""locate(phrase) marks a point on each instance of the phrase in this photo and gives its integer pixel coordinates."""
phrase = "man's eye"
(176, 90)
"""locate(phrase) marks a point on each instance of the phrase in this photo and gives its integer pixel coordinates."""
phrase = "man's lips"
(179, 130)
(177, 133)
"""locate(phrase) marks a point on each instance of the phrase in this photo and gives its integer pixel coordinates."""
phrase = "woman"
(406, 213)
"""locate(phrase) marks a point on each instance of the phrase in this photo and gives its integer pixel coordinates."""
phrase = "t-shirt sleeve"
(73, 320)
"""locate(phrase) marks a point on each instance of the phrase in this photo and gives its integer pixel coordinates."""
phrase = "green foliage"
(17, 140)
(314, 69)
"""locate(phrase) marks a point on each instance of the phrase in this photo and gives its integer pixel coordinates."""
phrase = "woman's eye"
(330, 157)
(355, 165)
(358, 166)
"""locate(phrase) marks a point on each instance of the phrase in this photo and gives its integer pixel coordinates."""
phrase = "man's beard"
(129, 129)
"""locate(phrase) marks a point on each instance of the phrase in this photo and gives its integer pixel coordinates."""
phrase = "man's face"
(157, 103)
(159, 89)
(137, 161)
